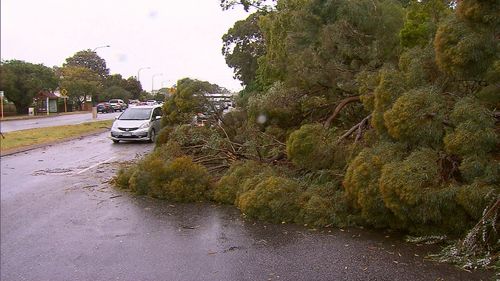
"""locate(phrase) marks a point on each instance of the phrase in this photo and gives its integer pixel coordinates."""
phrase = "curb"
(35, 146)
(16, 118)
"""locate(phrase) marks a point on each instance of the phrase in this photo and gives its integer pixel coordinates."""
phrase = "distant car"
(151, 102)
(105, 107)
(133, 102)
(118, 104)
(137, 123)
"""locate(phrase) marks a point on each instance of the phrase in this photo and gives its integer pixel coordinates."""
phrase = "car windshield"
(136, 114)
(113, 101)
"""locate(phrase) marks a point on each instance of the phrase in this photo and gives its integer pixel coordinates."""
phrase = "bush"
(417, 118)
(231, 184)
(184, 181)
(471, 138)
(310, 147)
(412, 190)
(274, 199)
(164, 135)
(323, 205)
(122, 178)
(474, 198)
(177, 179)
(479, 168)
(361, 182)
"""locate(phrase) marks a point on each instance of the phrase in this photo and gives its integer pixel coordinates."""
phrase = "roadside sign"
(64, 93)
(1, 94)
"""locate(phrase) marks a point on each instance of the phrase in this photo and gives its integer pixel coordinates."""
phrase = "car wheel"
(116, 141)
(152, 136)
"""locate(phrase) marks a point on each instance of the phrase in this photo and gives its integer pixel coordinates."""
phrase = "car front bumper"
(140, 134)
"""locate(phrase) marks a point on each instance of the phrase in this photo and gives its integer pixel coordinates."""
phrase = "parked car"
(151, 102)
(137, 123)
(105, 107)
(118, 104)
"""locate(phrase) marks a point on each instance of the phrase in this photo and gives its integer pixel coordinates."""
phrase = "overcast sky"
(178, 38)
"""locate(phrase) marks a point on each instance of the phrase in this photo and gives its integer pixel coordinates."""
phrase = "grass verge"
(39, 136)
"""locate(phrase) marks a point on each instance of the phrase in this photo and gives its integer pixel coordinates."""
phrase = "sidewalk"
(25, 117)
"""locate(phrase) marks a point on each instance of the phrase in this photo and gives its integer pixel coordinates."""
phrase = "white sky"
(178, 38)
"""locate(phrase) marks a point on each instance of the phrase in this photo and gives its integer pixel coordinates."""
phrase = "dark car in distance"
(105, 107)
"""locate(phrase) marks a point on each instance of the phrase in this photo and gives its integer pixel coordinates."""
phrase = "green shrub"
(122, 178)
(177, 179)
(274, 199)
(412, 190)
(323, 205)
(474, 198)
(479, 168)
(310, 147)
(390, 87)
(361, 182)
(470, 138)
(417, 118)
(164, 135)
(185, 181)
(231, 184)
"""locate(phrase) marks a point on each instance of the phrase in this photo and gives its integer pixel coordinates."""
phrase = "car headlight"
(144, 126)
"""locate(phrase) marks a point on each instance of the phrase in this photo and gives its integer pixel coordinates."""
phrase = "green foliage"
(311, 147)
(90, 60)
(80, 82)
(390, 87)
(412, 190)
(471, 138)
(274, 199)
(476, 168)
(312, 42)
(323, 205)
(188, 100)
(417, 118)
(419, 67)
(164, 135)
(22, 81)
(422, 18)
(243, 45)
(231, 185)
(278, 106)
(177, 179)
(361, 182)
(464, 51)
(474, 198)
(122, 178)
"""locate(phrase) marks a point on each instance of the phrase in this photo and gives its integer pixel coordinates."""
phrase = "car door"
(156, 122)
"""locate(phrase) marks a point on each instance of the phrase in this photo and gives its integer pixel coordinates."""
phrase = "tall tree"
(89, 59)
(81, 83)
(243, 45)
(21, 81)
(134, 87)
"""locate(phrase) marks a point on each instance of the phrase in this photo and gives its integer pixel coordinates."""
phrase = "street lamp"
(106, 46)
(153, 80)
(139, 71)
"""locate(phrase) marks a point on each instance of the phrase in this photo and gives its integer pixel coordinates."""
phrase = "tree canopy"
(22, 81)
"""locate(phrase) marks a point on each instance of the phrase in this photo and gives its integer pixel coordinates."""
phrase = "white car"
(137, 123)
(118, 104)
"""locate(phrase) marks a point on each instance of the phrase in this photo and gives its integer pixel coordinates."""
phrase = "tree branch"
(339, 107)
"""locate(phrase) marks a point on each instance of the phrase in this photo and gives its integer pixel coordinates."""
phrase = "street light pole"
(153, 80)
(139, 72)
(105, 46)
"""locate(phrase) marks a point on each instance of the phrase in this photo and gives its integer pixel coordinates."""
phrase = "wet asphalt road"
(70, 119)
(61, 220)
